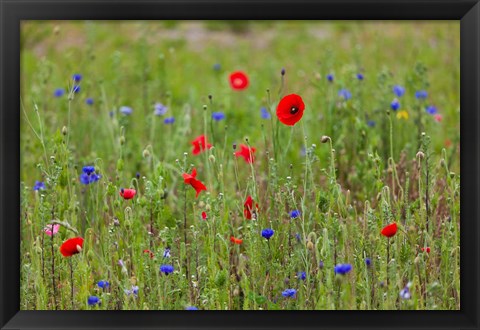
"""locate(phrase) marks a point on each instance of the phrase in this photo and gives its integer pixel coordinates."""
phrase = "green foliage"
(349, 167)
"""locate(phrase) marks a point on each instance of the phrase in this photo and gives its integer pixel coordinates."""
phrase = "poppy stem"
(388, 258)
(185, 236)
(71, 281)
(43, 255)
(53, 272)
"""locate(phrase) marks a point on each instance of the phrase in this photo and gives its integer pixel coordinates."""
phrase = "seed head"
(325, 139)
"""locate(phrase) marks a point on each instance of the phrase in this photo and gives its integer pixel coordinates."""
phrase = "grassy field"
(113, 106)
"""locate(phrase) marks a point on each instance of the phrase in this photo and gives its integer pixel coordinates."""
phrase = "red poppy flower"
(200, 144)
(204, 215)
(248, 211)
(236, 240)
(246, 153)
(290, 109)
(127, 193)
(71, 246)
(389, 230)
(426, 249)
(150, 253)
(196, 184)
(238, 80)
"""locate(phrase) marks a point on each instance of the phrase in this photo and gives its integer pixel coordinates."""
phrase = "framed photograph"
(239, 164)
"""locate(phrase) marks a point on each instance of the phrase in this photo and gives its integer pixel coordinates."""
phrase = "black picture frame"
(14, 11)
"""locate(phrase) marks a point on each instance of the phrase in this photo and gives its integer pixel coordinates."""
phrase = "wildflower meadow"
(242, 165)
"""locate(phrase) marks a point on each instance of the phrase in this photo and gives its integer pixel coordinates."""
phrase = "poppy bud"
(64, 130)
(416, 261)
(201, 204)
(38, 250)
(211, 158)
(236, 292)
(91, 255)
(310, 245)
(208, 207)
(325, 139)
(122, 140)
(146, 153)
(420, 155)
(318, 76)
(56, 30)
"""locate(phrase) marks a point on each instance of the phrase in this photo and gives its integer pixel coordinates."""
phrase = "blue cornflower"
(298, 237)
(368, 262)
(268, 233)
(294, 214)
(405, 292)
(126, 110)
(371, 123)
(303, 151)
(88, 169)
(76, 88)
(39, 185)
(421, 95)
(89, 101)
(345, 93)
(89, 176)
(191, 308)
(166, 253)
(395, 105)
(217, 116)
(264, 113)
(302, 276)
(58, 92)
(167, 269)
(432, 110)
(398, 90)
(77, 77)
(342, 268)
(321, 264)
(360, 76)
(282, 72)
(93, 300)
(84, 178)
(160, 109)
(111, 113)
(330, 77)
(289, 293)
(169, 120)
(133, 291)
(103, 284)
(94, 177)
(217, 67)
(137, 175)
